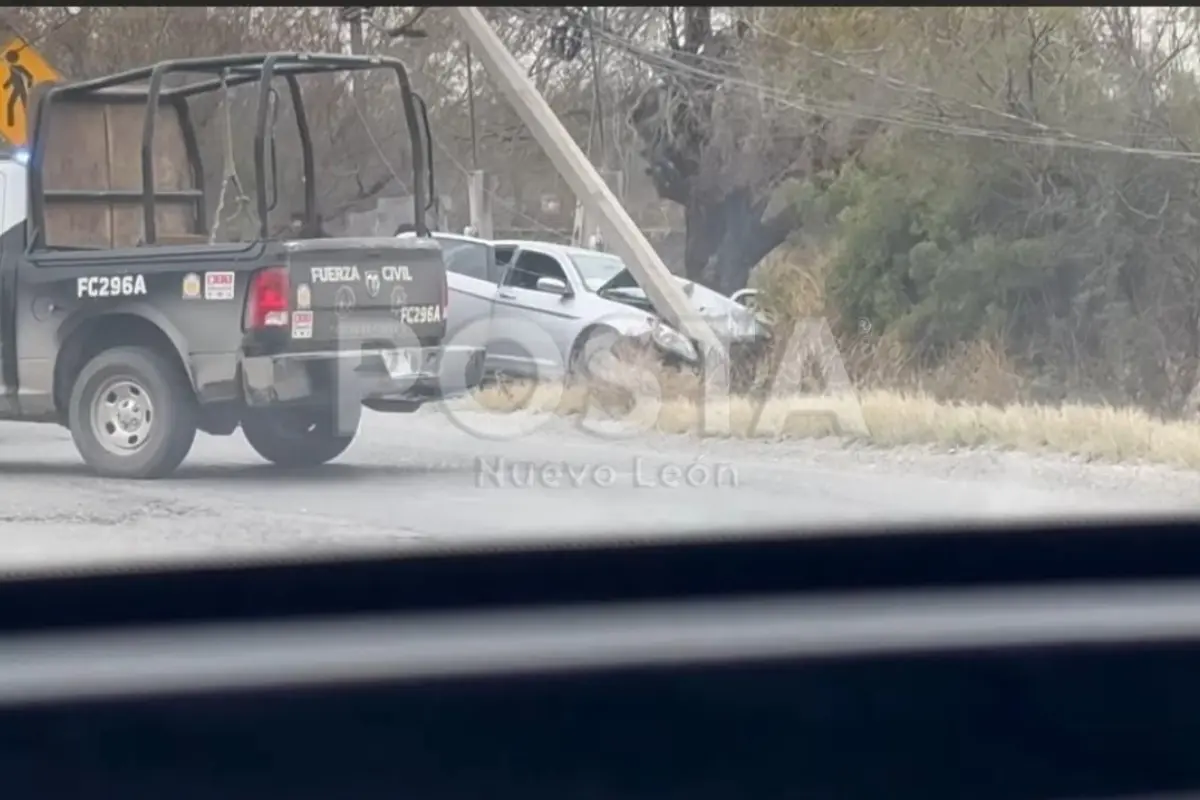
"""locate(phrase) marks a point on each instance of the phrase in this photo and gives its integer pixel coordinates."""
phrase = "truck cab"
(124, 317)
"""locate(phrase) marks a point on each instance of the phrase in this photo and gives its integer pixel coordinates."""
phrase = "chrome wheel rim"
(122, 416)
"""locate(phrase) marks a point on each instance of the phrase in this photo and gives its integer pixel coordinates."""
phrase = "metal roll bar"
(227, 72)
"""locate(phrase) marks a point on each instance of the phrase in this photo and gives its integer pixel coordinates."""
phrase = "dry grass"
(974, 398)
(891, 418)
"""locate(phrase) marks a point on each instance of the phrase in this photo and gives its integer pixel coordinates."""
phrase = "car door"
(533, 329)
(472, 278)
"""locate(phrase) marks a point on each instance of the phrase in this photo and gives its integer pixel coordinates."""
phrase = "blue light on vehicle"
(21, 156)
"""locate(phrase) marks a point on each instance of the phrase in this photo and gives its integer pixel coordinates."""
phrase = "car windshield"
(597, 269)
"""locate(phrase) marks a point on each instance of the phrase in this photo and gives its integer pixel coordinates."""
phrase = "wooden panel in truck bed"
(96, 146)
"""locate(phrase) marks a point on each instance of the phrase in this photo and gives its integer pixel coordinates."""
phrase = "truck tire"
(132, 414)
(297, 437)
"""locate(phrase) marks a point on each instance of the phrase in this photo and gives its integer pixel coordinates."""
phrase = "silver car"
(537, 305)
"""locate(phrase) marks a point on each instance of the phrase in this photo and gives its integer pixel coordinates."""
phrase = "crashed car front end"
(742, 332)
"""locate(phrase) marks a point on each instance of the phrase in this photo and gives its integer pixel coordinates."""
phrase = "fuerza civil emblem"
(373, 283)
(399, 298)
(343, 301)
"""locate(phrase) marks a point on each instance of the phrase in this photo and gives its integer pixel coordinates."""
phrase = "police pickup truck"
(123, 319)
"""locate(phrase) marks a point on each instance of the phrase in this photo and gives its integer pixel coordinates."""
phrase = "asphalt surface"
(435, 478)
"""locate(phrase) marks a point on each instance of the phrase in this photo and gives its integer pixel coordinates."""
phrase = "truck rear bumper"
(416, 374)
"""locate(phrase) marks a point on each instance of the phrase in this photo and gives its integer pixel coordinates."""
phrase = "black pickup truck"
(123, 318)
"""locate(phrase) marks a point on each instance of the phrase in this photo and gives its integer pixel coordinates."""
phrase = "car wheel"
(132, 413)
(508, 390)
(299, 437)
(594, 344)
(512, 392)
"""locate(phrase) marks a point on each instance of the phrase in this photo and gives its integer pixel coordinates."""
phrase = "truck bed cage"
(145, 85)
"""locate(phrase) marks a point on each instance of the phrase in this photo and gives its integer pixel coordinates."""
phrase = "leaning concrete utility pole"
(620, 231)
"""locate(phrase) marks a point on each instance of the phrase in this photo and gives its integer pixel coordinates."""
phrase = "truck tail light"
(445, 294)
(268, 302)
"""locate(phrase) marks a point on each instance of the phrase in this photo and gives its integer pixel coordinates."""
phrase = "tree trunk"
(739, 250)
(733, 230)
(704, 229)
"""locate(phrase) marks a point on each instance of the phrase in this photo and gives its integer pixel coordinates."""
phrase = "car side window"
(469, 259)
(504, 254)
(529, 267)
(503, 259)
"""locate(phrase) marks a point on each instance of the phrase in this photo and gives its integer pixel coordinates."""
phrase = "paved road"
(416, 480)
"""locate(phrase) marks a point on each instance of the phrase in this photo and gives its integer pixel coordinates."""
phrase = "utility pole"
(597, 94)
(353, 16)
(479, 195)
(587, 184)
(586, 226)
(471, 108)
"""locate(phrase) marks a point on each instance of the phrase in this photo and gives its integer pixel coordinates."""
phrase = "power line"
(850, 109)
(496, 198)
(668, 65)
(27, 41)
(831, 108)
(929, 92)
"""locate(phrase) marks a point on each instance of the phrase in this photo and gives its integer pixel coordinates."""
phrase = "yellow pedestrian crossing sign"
(22, 69)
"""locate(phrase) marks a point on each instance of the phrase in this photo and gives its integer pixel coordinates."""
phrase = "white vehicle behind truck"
(576, 299)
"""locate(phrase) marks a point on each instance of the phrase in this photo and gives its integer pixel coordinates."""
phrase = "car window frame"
(503, 267)
(489, 267)
(521, 251)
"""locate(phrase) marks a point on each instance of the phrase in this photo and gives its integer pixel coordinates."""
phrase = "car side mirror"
(553, 286)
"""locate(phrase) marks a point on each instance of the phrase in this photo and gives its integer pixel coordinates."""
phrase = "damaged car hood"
(725, 315)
